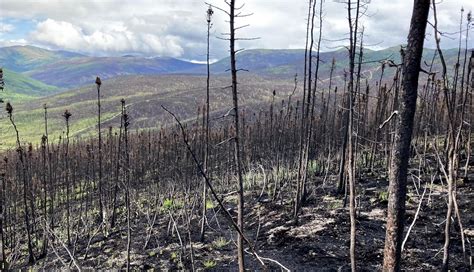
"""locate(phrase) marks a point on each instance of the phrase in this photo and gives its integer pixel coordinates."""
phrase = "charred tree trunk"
(237, 150)
(127, 184)
(3, 264)
(353, 27)
(101, 207)
(403, 135)
(206, 140)
(307, 60)
(21, 155)
(66, 116)
(117, 166)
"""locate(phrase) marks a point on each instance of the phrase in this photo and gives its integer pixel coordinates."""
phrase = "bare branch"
(225, 141)
(247, 39)
(213, 192)
(240, 27)
(388, 120)
(216, 7)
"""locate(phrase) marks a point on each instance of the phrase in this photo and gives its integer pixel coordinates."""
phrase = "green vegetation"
(220, 243)
(143, 96)
(313, 167)
(209, 204)
(26, 58)
(209, 264)
(145, 93)
(167, 204)
(19, 87)
(171, 204)
(383, 197)
(174, 256)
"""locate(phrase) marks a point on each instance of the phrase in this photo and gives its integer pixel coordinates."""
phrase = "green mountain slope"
(182, 94)
(75, 72)
(65, 69)
(19, 87)
(26, 58)
(69, 70)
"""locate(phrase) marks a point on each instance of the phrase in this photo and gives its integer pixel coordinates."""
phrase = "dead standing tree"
(350, 155)
(209, 14)
(309, 116)
(305, 109)
(98, 82)
(21, 156)
(305, 79)
(2, 82)
(46, 180)
(3, 264)
(66, 116)
(455, 104)
(237, 151)
(355, 9)
(127, 178)
(403, 135)
(50, 175)
(117, 165)
(233, 13)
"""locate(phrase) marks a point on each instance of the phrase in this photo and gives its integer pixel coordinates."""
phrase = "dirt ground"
(320, 241)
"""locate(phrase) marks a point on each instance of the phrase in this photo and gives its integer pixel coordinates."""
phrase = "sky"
(177, 28)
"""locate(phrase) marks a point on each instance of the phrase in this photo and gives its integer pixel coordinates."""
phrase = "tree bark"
(237, 151)
(403, 135)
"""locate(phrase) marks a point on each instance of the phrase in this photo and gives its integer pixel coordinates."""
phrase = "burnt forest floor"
(319, 242)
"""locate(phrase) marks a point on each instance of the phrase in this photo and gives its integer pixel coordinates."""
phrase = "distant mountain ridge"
(64, 70)
(285, 62)
(74, 72)
(21, 58)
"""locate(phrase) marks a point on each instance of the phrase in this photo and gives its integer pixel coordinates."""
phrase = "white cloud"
(178, 28)
(115, 38)
(61, 34)
(5, 28)
(13, 42)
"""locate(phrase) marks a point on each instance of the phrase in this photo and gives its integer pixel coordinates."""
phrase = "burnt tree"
(403, 135)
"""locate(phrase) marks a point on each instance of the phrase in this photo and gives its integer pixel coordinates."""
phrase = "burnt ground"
(320, 241)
